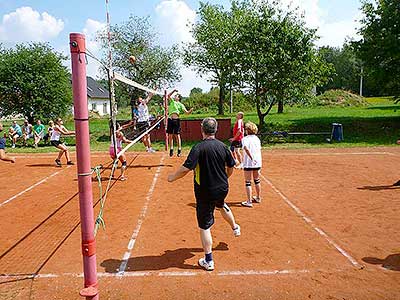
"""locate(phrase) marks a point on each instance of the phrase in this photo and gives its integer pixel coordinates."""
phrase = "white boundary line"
(172, 274)
(313, 226)
(31, 187)
(141, 218)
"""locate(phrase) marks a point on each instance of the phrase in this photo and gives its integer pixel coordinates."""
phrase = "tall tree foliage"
(155, 66)
(212, 53)
(380, 43)
(277, 57)
(33, 82)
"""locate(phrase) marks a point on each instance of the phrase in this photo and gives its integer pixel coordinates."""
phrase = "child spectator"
(252, 163)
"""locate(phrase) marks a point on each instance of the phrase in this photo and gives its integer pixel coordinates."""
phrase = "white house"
(98, 97)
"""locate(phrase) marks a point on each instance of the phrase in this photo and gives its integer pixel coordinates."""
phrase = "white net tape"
(123, 79)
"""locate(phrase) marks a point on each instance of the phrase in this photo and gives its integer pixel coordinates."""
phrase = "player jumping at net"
(252, 162)
(3, 155)
(143, 121)
(212, 163)
(58, 130)
(175, 108)
(122, 158)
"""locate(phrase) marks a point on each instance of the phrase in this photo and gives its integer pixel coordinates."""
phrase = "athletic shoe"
(70, 163)
(236, 231)
(206, 265)
(58, 162)
(151, 150)
(256, 199)
(13, 146)
(179, 152)
(171, 152)
(247, 204)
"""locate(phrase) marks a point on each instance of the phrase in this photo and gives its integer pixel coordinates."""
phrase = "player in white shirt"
(143, 121)
(252, 163)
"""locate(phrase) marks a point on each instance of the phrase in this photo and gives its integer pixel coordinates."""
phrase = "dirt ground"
(327, 228)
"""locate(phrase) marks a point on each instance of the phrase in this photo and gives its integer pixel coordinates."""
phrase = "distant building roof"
(95, 90)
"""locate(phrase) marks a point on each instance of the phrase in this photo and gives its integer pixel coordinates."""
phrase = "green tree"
(33, 82)
(380, 44)
(276, 55)
(155, 66)
(211, 53)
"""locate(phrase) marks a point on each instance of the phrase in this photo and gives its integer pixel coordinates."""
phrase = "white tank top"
(143, 112)
(55, 134)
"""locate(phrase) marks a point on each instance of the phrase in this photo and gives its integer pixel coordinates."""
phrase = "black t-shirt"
(209, 159)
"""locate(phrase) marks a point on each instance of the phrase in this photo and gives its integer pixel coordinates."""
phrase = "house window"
(94, 106)
(105, 111)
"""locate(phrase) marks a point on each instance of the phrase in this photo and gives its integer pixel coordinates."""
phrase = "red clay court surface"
(327, 228)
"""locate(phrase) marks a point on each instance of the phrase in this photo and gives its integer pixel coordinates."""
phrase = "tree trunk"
(280, 106)
(221, 99)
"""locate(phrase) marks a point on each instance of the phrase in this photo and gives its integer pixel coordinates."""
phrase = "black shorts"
(235, 144)
(205, 206)
(56, 143)
(142, 126)
(251, 169)
(174, 126)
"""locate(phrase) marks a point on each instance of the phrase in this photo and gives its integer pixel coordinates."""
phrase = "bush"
(338, 98)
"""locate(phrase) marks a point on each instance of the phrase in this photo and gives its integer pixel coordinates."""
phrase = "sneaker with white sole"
(206, 265)
(256, 199)
(247, 204)
(236, 230)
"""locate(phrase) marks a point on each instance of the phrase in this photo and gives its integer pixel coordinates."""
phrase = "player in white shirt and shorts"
(252, 163)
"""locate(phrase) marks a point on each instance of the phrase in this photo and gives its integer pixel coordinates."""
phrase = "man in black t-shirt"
(212, 163)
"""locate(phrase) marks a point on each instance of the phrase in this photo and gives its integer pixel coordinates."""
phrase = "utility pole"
(361, 81)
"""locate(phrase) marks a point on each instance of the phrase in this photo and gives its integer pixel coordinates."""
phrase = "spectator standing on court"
(252, 163)
(212, 163)
(3, 155)
(58, 130)
(27, 130)
(143, 121)
(15, 132)
(38, 132)
(236, 141)
(175, 108)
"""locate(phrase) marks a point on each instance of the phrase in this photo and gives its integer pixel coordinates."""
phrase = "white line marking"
(311, 223)
(31, 187)
(174, 273)
(141, 218)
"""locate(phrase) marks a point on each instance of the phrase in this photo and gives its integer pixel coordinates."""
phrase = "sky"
(48, 21)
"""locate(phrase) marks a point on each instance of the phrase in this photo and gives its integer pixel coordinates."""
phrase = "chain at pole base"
(89, 291)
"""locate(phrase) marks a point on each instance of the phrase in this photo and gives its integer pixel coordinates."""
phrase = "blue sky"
(39, 20)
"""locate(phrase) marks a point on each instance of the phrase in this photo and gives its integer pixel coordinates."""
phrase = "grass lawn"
(374, 125)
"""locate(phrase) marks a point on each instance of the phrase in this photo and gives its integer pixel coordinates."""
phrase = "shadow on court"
(391, 262)
(379, 187)
(169, 259)
(42, 165)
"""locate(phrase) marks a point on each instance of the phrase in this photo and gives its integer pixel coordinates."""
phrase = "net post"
(166, 119)
(81, 117)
